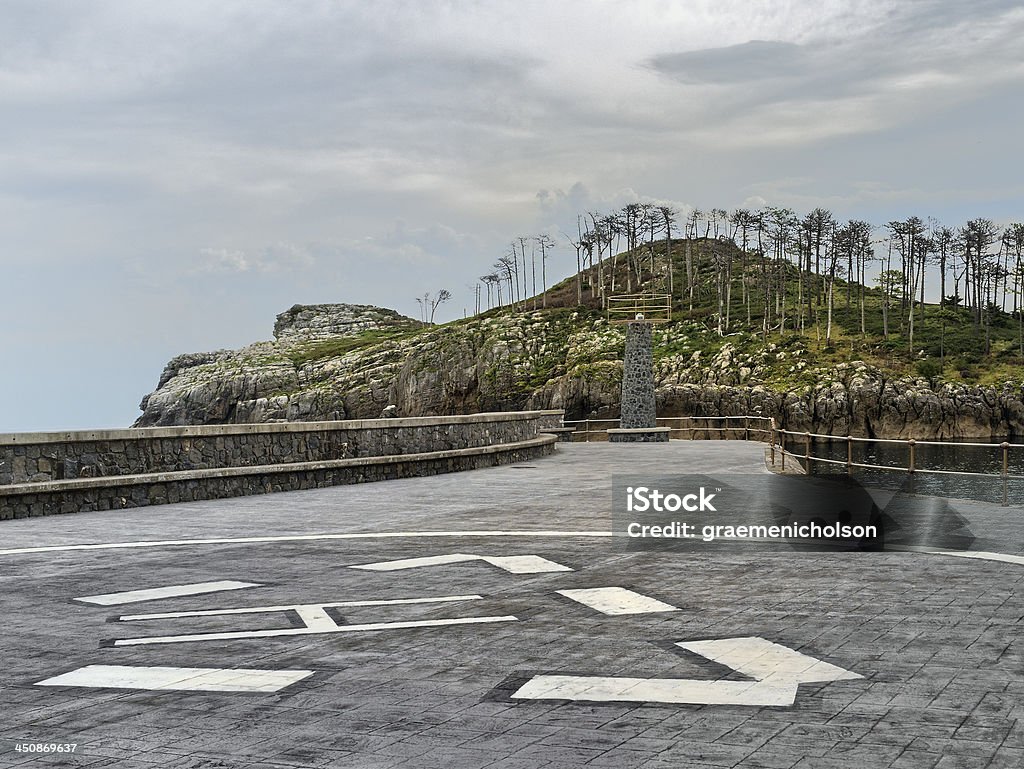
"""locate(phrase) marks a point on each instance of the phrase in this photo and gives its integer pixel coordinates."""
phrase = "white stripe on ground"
(171, 591)
(666, 690)
(763, 660)
(514, 564)
(289, 607)
(978, 554)
(237, 635)
(981, 555)
(299, 538)
(616, 600)
(179, 679)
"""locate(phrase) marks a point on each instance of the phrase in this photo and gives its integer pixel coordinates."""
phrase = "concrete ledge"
(564, 433)
(114, 492)
(638, 434)
(195, 431)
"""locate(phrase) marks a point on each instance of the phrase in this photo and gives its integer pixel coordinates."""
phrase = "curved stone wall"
(46, 473)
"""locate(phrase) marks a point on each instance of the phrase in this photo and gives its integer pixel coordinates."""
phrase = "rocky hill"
(351, 361)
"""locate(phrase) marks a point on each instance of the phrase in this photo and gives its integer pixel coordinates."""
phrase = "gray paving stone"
(935, 637)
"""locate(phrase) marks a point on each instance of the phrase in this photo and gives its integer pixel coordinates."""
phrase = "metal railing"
(751, 427)
(655, 308)
(781, 444)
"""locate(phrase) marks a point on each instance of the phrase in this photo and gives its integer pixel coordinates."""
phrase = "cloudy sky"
(173, 175)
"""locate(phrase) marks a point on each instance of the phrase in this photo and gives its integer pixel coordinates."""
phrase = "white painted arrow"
(777, 671)
(514, 564)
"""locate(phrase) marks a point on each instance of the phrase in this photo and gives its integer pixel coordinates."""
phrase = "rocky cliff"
(352, 361)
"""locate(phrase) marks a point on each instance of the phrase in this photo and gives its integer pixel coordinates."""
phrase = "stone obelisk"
(637, 409)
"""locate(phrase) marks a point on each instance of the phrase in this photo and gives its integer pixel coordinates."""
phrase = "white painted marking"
(665, 690)
(171, 591)
(301, 538)
(776, 670)
(238, 635)
(179, 679)
(415, 563)
(981, 555)
(616, 600)
(763, 660)
(547, 534)
(524, 564)
(516, 564)
(289, 607)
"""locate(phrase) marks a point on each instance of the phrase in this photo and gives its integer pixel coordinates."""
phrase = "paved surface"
(935, 638)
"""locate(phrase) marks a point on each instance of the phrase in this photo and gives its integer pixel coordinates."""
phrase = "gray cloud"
(748, 62)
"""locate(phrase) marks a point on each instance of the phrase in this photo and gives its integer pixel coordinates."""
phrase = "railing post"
(807, 452)
(586, 429)
(782, 433)
(913, 456)
(1006, 471)
(849, 455)
(772, 438)
(746, 428)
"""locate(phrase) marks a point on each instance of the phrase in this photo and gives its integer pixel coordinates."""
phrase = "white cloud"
(273, 258)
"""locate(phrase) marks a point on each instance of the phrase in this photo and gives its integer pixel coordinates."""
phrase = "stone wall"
(44, 473)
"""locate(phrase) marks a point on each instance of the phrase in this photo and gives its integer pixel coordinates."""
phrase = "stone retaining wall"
(41, 457)
(45, 473)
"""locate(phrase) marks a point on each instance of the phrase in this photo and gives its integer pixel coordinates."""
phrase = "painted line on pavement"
(776, 671)
(289, 607)
(663, 690)
(171, 591)
(298, 538)
(976, 554)
(179, 679)
(616, 600)
(981, 555)
(321, 628)
(514, 564)
(764, 660)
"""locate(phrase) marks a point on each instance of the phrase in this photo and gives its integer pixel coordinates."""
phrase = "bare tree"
(668, 218)
(507, 264)
(442, 297)
(545, 243)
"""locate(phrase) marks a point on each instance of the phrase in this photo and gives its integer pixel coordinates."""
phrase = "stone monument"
(637, 417)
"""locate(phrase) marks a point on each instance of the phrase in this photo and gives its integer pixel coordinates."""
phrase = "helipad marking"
(320, 628)
(616, 600)
(515, 564)
(776, 670)
(269, 609)
(171, 591)
(179, 679)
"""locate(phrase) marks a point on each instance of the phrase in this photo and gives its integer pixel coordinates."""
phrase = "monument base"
(638, 435)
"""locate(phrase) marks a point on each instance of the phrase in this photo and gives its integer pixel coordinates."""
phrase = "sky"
(173, 175)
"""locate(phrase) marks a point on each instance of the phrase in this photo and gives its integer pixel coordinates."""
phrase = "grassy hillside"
(948, 344)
